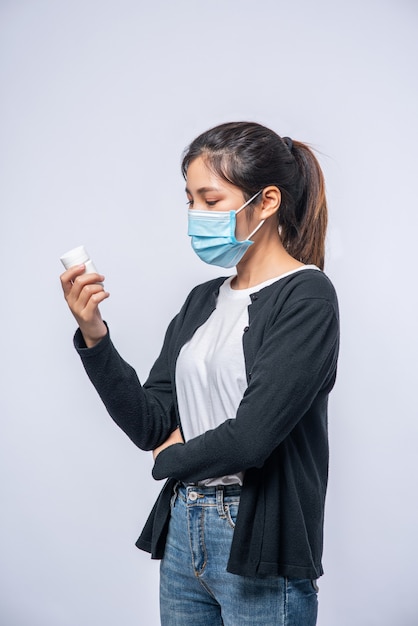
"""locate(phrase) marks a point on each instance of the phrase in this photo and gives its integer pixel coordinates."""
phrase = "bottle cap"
(76, 256)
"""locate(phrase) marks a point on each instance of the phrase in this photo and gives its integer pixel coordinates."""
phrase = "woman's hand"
(83, 294)
(175, 437)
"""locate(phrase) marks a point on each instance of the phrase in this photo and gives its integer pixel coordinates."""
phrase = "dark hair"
(252, 157)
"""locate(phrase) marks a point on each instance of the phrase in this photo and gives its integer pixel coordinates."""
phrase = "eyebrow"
(203, 190)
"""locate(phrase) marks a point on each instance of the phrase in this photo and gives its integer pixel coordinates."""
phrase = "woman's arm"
(175, 437)
(296, 361)
(146, 416)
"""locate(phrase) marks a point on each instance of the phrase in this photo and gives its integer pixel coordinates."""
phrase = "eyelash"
(208, 202)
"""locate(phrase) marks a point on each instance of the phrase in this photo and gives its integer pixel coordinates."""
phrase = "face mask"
(213, 236)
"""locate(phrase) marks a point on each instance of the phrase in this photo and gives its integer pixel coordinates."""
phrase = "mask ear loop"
(248, 202)
(243, 207)
(255, 230)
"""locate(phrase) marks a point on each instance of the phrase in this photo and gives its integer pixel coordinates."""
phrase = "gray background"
(98, 100)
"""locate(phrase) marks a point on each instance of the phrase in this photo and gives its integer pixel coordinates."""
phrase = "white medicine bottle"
(78, 256)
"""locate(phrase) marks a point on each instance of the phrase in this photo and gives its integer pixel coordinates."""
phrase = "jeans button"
(192, 496)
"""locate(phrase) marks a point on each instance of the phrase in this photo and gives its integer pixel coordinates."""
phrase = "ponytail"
(303, 217)
(252, 157)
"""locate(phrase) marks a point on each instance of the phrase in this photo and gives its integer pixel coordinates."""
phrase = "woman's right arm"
(146, 415)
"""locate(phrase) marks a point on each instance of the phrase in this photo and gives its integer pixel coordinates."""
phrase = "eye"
(211, 202)
(189, 203)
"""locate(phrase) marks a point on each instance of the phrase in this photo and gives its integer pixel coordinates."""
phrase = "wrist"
(91, 339)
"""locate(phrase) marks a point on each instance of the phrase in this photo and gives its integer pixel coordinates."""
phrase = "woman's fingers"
(76, 285)
(74, 280)
(85, 306)
(175, 437)
(69, 276)
(83, 292)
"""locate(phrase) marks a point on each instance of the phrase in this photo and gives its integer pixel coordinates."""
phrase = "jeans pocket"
(231, 512)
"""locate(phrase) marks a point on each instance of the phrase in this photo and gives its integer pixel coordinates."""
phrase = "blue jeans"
(196, 589)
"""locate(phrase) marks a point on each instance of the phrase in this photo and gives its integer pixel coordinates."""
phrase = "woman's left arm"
(296, 361)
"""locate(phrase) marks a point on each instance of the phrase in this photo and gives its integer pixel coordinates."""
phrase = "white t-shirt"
(210, 370)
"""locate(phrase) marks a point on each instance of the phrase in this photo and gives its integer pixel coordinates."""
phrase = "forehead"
(199, 172)
(201, 178)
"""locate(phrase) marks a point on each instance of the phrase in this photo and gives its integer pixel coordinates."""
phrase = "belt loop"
(220, 501)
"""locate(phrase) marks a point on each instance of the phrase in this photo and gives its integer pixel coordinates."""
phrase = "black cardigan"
(278, 436)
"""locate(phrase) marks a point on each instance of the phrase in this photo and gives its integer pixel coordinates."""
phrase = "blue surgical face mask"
(213, 236)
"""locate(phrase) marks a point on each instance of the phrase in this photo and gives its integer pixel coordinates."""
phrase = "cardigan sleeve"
(295, 363)
(145, 413)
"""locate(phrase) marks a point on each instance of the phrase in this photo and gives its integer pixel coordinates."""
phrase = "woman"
(235, 407)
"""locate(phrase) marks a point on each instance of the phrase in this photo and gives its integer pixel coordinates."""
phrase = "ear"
(270, 203)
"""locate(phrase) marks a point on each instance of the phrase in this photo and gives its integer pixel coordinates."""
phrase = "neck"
(265, 259)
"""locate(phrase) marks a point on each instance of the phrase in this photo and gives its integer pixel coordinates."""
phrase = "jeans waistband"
(217, 495)
(211, 490)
